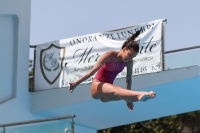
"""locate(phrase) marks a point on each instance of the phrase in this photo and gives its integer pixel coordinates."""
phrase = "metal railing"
(183, 49)
(38, 121)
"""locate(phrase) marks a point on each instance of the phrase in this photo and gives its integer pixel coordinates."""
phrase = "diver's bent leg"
(111, 90)
(107, 91)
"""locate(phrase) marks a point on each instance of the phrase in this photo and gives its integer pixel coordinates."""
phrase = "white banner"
(59, 62)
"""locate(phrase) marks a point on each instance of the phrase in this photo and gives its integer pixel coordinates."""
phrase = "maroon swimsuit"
(108, 72)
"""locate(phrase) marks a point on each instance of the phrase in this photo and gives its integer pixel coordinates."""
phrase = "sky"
(59, 19)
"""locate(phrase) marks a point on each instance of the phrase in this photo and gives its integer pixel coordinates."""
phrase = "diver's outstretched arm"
(100, 62)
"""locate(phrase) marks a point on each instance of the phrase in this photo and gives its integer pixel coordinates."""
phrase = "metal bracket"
(4, 130)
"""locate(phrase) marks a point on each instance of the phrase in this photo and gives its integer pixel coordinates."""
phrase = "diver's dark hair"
(131, 43)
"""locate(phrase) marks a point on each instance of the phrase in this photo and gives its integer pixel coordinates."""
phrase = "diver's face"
(128, 54)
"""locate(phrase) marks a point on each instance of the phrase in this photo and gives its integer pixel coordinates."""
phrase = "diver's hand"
(130, 106)
(72, 86)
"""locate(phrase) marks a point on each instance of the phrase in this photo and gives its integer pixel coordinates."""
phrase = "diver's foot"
(145, 96)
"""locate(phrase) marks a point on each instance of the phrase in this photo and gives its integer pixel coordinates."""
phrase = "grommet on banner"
(165, 20)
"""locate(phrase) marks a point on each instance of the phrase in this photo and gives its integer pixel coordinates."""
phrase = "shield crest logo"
(51, 62)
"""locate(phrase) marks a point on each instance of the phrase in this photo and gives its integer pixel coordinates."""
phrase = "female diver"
(107, 67)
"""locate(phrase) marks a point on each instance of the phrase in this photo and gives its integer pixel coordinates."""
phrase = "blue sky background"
(59, 19)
